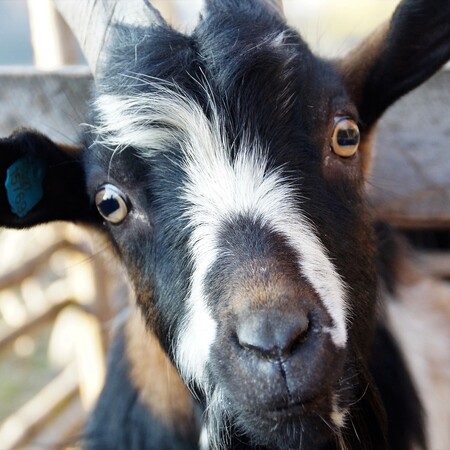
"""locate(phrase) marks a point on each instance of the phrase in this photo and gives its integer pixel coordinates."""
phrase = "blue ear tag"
(24, 184)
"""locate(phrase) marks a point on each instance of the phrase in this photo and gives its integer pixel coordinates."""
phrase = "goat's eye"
(345, 137)
(111, 203)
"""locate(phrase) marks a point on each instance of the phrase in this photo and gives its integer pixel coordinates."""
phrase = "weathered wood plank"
(19, 428)
(46, 317)
(53, 102)
(410, 183)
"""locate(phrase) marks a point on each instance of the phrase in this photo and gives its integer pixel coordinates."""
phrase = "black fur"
(398, 392)
(121, 421)
(389, 255)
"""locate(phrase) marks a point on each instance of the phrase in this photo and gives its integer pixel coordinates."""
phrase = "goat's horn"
(91, 20)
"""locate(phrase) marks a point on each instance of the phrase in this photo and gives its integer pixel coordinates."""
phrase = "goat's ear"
(41, 181)
(398, 57)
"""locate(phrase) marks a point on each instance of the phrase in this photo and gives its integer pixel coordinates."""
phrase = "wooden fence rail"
(57, 412)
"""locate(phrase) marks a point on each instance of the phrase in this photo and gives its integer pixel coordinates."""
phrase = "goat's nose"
(272, 334)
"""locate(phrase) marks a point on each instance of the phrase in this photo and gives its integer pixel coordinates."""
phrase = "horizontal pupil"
(109, 206)
(347, 137)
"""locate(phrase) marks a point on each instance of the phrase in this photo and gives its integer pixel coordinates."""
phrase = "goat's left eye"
(345, 137)
(111, 203)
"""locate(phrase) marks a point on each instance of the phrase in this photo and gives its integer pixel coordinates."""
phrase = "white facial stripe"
(198, 330)
(217, 190)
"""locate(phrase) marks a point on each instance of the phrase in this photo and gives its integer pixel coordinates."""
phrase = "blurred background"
(331, 27)
(57, 295)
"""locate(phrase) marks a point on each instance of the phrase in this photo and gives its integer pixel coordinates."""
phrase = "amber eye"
(111, 203)
(345, 137)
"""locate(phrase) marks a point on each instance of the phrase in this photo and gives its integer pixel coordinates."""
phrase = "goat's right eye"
(111, 203)
(345, 137)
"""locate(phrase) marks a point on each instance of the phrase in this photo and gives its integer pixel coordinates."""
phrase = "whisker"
(361, 397)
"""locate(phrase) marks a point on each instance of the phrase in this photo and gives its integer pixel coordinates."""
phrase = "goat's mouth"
(307, 425)
(320, 405)
(293, 410)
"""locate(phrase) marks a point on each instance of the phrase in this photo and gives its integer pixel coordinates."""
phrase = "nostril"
(272, 334)
(298, 335)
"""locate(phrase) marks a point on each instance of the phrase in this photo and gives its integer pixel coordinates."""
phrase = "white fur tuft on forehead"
(152, 121)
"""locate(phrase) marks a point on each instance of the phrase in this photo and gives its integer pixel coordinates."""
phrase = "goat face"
(227, 169)
(246, 235)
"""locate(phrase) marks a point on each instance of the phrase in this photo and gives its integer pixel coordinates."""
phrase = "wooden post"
(53, 42)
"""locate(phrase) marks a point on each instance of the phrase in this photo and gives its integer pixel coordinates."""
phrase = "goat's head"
(228, 168)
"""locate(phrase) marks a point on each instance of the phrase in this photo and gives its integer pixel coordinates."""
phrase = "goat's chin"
(283, 429)
(308, 427)
(274, 431)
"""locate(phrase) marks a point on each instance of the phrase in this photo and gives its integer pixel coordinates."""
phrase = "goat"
(228, 168)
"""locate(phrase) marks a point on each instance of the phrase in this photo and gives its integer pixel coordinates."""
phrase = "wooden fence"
(56, 413)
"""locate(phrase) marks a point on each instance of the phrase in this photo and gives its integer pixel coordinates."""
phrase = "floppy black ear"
(41, 181)
(399, 56)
